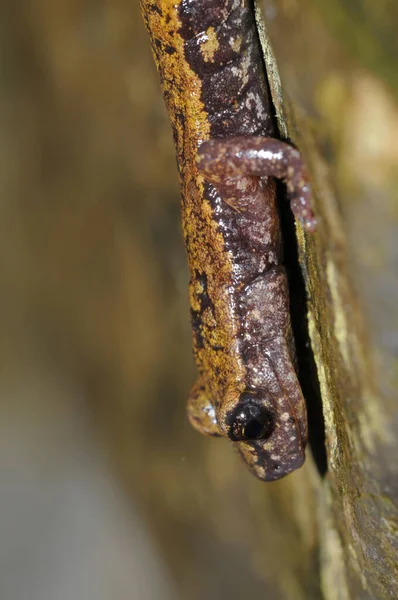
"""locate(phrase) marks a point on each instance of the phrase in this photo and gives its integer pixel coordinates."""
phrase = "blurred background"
(105, 491)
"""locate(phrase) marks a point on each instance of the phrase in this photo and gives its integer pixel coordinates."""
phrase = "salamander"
(213, 79)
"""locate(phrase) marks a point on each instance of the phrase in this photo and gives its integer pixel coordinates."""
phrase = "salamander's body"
(211, 68)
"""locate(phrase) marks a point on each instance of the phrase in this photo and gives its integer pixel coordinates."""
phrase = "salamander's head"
(270, 439)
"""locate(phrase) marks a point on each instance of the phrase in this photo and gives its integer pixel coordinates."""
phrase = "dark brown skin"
(212, 74)
(236, 163)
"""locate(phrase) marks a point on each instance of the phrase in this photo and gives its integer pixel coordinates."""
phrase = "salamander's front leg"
(233, 162)
(201, 412)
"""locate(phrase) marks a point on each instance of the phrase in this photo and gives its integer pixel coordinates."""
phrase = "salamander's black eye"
(250, 421)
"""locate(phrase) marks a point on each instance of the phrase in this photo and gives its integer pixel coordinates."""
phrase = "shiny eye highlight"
(250, 421)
